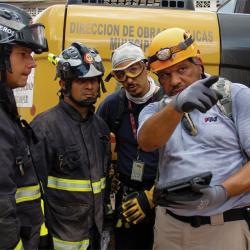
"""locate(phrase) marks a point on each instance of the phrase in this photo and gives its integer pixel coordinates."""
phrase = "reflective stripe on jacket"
(76, 185)
(19, 246)
(69, 245)
(27, 193)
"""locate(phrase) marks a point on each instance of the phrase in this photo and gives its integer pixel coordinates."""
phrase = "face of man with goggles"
(133, 78)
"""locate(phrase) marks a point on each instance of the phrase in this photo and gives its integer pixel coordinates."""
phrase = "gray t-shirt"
(215, 148)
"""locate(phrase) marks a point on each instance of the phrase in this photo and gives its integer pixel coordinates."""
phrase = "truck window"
(227, 7)
(235, 6)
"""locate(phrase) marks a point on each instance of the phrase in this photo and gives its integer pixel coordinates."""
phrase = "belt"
(218, 219)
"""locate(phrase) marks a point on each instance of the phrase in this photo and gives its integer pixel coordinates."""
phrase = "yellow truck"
(223, 36)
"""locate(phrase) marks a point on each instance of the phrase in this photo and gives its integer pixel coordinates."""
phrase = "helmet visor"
(33, 36)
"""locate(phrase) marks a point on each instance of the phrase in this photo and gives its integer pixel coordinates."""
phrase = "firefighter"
(20, 211)
(77, 147)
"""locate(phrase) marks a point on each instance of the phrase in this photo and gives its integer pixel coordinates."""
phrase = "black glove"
(198, 95)
(137, 205)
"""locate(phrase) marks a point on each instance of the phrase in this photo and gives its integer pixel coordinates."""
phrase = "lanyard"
(132, 120)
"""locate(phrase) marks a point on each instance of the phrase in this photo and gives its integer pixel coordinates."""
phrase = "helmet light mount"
(167, 53)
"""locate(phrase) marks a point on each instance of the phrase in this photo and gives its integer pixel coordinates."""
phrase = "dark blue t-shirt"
(126, 144)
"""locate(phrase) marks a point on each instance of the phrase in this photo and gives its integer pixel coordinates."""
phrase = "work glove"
(137, 204)
(210, 197)
(198, 95)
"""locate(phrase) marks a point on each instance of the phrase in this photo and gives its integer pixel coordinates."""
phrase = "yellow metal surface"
(105, 28)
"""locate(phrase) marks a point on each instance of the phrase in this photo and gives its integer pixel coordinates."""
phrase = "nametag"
(137, 170)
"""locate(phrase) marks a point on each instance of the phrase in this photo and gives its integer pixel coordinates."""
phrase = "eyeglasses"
(167, 53)
(132, 71)
(188, 125)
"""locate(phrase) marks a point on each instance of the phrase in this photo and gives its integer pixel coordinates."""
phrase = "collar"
(73, 113)
(140, 100)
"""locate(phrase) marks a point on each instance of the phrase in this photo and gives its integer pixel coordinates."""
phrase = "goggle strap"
(108, 77)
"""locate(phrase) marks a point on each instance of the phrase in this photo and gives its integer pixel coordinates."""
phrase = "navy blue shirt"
(126, 144)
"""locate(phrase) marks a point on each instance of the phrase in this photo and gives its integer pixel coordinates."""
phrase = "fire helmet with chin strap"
(78, 62)
(16, 28)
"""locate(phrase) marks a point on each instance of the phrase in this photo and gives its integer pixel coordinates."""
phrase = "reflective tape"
(43, 229)
(76, 185)
(19, 246)
(70, 245)
(99, 185)
(69, 185)
(27, 193)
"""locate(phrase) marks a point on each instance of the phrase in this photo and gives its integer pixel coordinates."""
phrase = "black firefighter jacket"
(77, 153)
(20, 209)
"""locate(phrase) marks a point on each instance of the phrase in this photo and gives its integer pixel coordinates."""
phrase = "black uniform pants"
(140, 236)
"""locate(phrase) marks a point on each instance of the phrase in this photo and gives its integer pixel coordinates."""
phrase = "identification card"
(112, 201)
(137, 170)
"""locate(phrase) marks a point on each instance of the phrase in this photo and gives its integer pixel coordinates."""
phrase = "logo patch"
(88, 58)
(210, 119)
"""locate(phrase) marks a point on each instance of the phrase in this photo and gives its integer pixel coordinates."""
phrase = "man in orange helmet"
(195, 135)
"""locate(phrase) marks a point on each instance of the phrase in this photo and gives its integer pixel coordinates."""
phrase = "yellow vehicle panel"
(106, 28)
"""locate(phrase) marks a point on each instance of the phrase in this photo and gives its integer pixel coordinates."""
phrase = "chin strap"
(85, 103)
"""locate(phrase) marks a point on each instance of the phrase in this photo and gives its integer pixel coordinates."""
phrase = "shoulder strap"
(121, 105)
(120, 109)
(225, 104)
(223, 86)
(158, 95)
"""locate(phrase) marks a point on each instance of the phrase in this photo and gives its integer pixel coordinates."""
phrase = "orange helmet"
(169, 47)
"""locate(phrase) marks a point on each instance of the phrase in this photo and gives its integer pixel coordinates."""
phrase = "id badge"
(137, 170)
(112, 201)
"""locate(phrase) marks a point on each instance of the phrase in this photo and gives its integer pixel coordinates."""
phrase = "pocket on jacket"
(23, 160)
(68, 159)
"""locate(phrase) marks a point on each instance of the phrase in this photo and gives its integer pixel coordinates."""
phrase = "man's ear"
(198, 61)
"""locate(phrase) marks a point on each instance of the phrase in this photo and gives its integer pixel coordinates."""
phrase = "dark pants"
(139, 236)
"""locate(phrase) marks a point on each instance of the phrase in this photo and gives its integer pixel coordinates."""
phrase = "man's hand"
(211, 197)
(138, 204)
(198, 95)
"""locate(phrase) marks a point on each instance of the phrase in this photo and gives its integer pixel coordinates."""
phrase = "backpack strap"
(120, 110)
(223, 86)
(121, 106)
(158, 95)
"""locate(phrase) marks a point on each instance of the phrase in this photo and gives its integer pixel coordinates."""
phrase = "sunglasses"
(167, 53)
(188, 125)
(132, 71)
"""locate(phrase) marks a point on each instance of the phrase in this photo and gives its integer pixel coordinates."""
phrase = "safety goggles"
(33, 36)
(188, 125)
(132, 71)
(167, 53)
